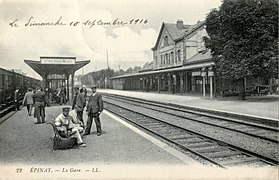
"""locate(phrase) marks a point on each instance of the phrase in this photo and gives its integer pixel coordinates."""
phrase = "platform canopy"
(56, 65)
(55, 71)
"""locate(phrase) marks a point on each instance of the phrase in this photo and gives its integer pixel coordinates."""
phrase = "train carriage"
(9, 82)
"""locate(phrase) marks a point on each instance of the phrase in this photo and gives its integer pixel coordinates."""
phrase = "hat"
(93, 86)
(65, 109)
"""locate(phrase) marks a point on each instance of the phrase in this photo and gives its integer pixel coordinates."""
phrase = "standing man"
(84, 90)
(39, 111)
(80, 104)
(94, 109)
(28, 99)
(63, 95)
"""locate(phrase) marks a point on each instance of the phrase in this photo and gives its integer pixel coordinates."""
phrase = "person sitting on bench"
(77, 123)
(66, 127)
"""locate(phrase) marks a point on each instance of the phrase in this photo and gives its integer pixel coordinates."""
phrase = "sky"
(74, 33)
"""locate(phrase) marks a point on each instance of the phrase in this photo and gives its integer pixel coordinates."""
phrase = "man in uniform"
(65, 126)
(94, 109)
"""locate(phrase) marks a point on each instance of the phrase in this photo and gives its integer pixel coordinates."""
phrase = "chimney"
(179, 24)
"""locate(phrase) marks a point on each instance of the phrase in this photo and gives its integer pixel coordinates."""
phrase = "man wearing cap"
(94, 109)
(80, 104)
(65, 126)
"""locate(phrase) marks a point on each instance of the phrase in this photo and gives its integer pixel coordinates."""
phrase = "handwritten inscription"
(59, 22)
(32, 22)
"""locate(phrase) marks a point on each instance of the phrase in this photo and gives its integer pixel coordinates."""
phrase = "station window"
(179, 55)
(169, 58)
(156, 60)
(172, 57)
(166, 57)
(166, 41)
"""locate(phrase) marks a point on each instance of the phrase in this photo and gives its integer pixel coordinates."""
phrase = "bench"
(60, 142)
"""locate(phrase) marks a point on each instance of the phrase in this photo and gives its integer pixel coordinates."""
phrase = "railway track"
(216, 152)
(255, 130)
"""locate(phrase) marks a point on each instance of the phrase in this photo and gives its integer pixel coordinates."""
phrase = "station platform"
(259, 106)
(23, 142)
(121, 152)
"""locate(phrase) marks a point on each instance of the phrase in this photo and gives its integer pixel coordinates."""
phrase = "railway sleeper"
(210, 149)
(146, 121)
(199, 145)
(249, 130)
(140, 119)
(221, 154)
(239, 161)
(157, 127)
(163, 133)
(172, 134)
(195, 141)
(166, 131)
(181, 137)
(151, 123)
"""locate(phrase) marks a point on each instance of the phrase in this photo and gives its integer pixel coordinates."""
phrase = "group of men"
(38, 99)
(71, 123)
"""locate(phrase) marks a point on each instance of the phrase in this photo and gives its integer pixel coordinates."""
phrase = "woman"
(28, 100)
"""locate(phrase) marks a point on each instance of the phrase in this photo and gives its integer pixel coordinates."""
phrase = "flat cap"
(66, 109)
(93, 86)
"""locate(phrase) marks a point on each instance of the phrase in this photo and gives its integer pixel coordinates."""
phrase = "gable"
(165, 39)
(172, 31)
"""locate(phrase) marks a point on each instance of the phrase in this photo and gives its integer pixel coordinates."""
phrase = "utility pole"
(107, 59)
(107, 70)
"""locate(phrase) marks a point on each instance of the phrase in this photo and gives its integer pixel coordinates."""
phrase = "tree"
(243, 39)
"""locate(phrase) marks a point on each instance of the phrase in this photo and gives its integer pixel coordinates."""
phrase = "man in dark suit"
(80, 104)
(40, 102)
(94, 109)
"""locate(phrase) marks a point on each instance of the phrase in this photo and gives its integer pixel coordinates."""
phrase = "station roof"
(199, 57)
(181, 68)
(44, 69)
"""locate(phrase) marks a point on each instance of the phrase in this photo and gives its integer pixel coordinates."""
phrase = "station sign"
(198, 73)
(58, 60)
(56, 76)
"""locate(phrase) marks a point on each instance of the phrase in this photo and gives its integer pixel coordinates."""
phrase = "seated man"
(76, 121)
(66, 127)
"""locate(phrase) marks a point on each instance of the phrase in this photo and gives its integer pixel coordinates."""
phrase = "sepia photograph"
(139, 89)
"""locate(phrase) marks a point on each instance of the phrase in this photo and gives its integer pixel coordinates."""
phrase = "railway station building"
(56, 71)
(182, 64)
